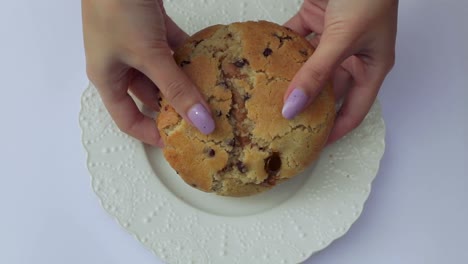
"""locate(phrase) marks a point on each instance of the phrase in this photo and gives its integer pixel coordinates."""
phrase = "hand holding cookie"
(129, 47)
(355, 45)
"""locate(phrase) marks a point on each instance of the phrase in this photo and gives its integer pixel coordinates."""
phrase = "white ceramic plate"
(183, 225)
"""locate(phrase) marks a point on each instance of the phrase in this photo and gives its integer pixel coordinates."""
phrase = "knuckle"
(391, 61)
(316, 75)
(126, 127)
(147, 53)
(347, 119)
(99, 76)
(112, 6)
(316, 78)
(350, 122)
(175, 91)
(353, 123)
(91, 73)
(153, 48)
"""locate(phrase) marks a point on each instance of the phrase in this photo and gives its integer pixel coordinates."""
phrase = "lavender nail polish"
(295, 103)
(201, 118)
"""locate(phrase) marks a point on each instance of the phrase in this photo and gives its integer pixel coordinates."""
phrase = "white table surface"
(417, 211)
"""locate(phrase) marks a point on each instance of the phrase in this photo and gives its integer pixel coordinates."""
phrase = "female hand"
(128, 46)
(355, 47)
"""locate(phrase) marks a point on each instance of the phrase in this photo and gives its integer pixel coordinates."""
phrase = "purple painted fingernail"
(201, 118)
(296, 101)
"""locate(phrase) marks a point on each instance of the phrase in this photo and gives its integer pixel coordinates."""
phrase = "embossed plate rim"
(151, 242)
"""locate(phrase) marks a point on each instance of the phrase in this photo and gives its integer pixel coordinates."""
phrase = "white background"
(417, 211)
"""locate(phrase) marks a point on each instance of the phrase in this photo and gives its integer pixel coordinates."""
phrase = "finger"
(128, 117)
(297, 24)
(342, 81)
(309, 19)
(357, 104)
(314, 74)
(175, 35)
(179, 90)
(145, 90)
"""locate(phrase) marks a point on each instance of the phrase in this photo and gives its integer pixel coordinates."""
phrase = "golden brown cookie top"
(244, 69)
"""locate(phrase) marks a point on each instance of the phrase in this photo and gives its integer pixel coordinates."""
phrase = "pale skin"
(129, 43)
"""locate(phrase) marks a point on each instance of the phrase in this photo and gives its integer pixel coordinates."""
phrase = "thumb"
(179, 90)
(314, 74)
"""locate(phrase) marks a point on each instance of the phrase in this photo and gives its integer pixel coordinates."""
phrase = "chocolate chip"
(267, 52)
(241, 63)
(229, 35)
(211, 153)
(304, 52)
(273, 163)
(166, 107)
(261, 148)
(247, 96)
(241, 167)
(231, 142)
(193, 185)
(184, 62)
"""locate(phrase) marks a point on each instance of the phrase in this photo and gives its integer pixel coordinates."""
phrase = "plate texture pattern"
(323, 209)
(132, 190)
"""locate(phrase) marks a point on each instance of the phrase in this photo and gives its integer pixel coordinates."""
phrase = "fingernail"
(296, 101)
(201, 118)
